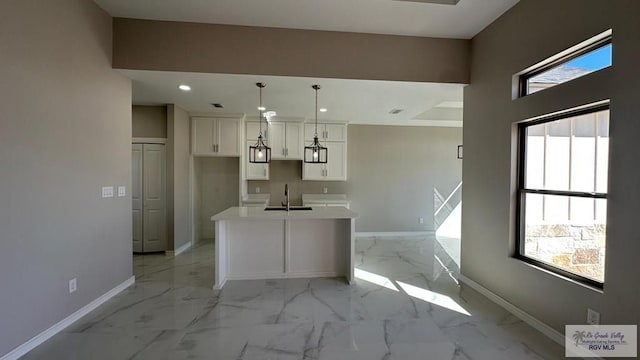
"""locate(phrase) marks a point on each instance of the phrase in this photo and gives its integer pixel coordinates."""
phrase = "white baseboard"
(519, 313)
(219, 286)
(313, 274)
(182, 248)
(395, 234)
(62, 324)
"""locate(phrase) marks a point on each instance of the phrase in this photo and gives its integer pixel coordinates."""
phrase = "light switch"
(107, 191)
(122, 191)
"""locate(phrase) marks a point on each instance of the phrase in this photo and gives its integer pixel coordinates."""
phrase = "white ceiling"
(416, 18)
(353, 101)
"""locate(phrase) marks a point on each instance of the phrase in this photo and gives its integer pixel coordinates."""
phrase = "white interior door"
(154, 230)
(136, 196)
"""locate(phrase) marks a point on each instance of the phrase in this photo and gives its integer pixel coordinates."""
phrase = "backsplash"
(283, 172)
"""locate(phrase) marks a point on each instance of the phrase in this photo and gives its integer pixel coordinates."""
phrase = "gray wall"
(393, 170)
(65, 132)
(218, 184)
(391, 174)
(179, 164)
(149, 121)
(289, 172)
(514, 42)
(287, 52)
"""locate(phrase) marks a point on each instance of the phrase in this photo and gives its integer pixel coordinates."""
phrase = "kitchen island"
(252, 243)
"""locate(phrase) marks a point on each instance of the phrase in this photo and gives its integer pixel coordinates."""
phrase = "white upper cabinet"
(334, 137)
(255, 171)
(253, 130)
(215, 136)
(285, 140)
(336, 167)
(326, 131)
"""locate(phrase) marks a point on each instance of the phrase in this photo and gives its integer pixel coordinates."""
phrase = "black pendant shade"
(315, 153)
(259, 152)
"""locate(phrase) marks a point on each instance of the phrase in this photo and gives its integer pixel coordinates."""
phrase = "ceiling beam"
(211, 48)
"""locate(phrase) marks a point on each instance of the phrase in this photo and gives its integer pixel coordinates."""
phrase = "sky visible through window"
(595, 60)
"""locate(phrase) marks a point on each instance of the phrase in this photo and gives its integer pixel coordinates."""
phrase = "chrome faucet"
(286, 194)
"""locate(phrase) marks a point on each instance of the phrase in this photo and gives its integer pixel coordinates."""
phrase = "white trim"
(62, 324)
(312, 274)
(137, 140)
(519, 313)
(186, 246)
(394, 234)
(217, 287)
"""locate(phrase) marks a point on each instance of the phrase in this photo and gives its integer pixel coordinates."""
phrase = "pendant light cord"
(316, 87)
(260, 85)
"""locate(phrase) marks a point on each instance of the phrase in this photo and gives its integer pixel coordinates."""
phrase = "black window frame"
(524, 78)
(522, 190)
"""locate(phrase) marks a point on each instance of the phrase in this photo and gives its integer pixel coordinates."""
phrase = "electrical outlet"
(257, 190)
(421, 220)
(122, 191)
(593, 317)
(73, 285)
(107, 191)
(325, 190)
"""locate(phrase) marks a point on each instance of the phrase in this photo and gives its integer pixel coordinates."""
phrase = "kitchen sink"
(291, 208)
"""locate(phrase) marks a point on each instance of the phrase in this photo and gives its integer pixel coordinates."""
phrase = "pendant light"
(260, 152)
(315, 153)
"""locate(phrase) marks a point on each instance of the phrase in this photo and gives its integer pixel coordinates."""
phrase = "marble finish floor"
(405, 304)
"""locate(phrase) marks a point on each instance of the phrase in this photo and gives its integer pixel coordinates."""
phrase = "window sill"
(525, 261)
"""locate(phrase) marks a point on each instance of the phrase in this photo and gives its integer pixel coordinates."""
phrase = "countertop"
(246, 212)
(324, 198)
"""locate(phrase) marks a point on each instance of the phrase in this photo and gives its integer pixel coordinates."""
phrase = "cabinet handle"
(286, 151)
(265, 172)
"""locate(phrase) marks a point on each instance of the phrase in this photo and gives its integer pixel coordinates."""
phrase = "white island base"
(252, 243)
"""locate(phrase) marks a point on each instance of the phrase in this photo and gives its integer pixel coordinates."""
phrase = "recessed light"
(262, 108)
(184, 87)
(323, 110)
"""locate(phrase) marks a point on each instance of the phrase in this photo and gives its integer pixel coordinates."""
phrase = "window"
(593, 55)
(562, 190)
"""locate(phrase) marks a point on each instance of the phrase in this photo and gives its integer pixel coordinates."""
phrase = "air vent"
(395, 111)
(440, 2)
(217, 105)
